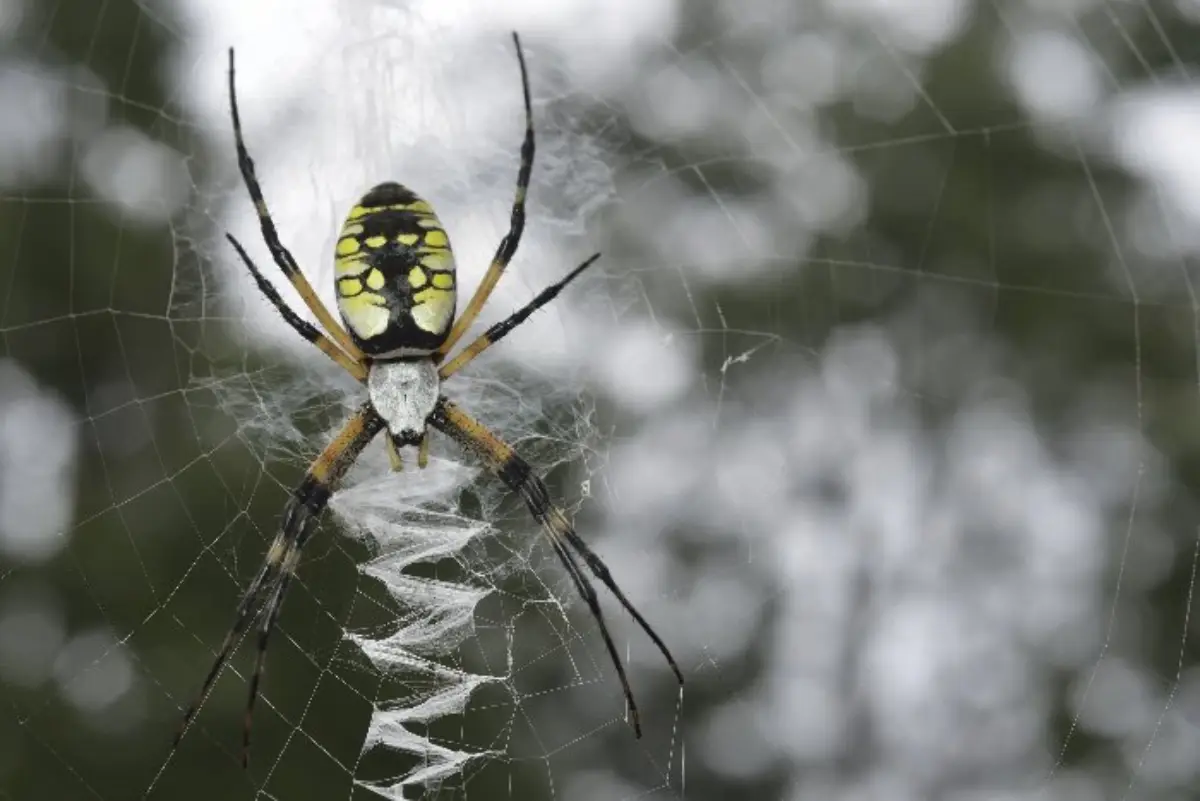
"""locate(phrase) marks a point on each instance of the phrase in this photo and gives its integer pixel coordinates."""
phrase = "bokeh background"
(882, 405)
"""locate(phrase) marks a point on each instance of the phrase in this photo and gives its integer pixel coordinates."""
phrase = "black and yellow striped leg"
(588, 593)
(302, 326)
(305, 505)
(296, 517)
(266, 624)
(508, 245)
(502, 328)
(246, 612)
(282, 256)
(516, 474)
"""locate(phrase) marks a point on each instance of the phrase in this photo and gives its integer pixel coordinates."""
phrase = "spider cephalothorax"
(396, 292)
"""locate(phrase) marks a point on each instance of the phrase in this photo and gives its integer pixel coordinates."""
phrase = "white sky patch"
(1121, 700)
(1154, 134)
(806, 70)
(29, 141)
(93, 670)
(916, 26)
(38, 450)
(1053, 75)
(599, 41)
(676, 100)
(643, 366)
(826, 194)
(144, 178)
(712, 237)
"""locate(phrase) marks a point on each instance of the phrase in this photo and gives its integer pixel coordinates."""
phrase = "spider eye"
(395, 276)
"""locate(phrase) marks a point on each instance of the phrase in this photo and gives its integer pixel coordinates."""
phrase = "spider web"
(880, 404)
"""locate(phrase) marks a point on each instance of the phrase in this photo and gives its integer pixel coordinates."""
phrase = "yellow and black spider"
(396, 292)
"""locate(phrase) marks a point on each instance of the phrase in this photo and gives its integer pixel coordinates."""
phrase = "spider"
(396, 293)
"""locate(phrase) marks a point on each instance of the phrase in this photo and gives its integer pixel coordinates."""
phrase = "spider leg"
(503, 461)
(279, 253)
(243, 618)
(267, 621)
(502, 328)
(303, 508)
(267, 580)
(588, 593)
(508, 245)
(302, 326)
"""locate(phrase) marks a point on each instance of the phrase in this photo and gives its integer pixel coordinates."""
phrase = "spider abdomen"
(404, 393)
(395, 274)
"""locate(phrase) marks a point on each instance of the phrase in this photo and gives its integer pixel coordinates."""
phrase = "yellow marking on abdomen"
(374, 288)
(437, 260)
(366, 313)
(350, 266)
(433, 309)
